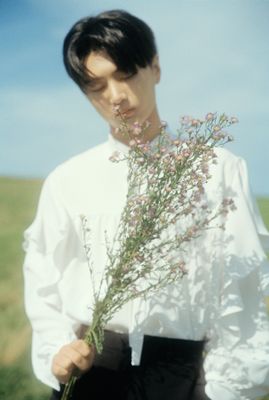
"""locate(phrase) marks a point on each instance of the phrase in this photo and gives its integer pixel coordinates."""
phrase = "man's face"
(135, 94)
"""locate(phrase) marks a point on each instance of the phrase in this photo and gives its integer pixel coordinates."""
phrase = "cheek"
(147, 98)
(99, 104)
(104, 110)
(144, 92)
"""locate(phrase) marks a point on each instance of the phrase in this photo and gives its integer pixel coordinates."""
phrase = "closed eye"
(124, 76)
(96, 86)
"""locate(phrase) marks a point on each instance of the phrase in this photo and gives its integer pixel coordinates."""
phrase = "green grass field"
(18, 201)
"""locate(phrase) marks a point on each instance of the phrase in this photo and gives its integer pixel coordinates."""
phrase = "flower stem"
(69, 387)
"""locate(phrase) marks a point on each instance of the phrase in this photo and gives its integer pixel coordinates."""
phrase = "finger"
(74, 357)
(64, 360)
(60, 373)
(82, 347)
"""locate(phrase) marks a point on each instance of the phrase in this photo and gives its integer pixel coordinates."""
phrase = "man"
(111, 74)
(113, 58)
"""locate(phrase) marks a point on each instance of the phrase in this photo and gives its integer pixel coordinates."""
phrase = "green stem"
(69, 387)
(89, 339)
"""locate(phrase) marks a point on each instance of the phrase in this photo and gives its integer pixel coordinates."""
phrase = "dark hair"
(127, 40)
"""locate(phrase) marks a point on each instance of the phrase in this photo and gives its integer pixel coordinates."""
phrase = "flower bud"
(209, 116)
(234, 120)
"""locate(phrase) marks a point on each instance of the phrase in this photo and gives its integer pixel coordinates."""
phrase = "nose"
(117, 94)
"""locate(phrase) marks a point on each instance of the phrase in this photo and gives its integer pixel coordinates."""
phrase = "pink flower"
(209, 116)
(195, 122)
(186, 120)
(172, 168)
(141, 160)
(163, 124)
(204, 168)
(132, 143)
(140, 258)
(152, 212)
(217, 128)
(137, 128)
(115, 156)
(145, 148)
(218, 136)
(116, 110)
(186, 153)
(182, 266)
(234, 120)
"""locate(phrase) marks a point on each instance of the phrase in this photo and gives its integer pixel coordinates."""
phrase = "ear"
(155, 65)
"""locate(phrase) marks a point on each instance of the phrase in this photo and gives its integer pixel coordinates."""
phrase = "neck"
(147, 135)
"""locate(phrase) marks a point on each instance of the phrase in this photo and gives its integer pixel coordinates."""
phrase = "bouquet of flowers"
(165, 209)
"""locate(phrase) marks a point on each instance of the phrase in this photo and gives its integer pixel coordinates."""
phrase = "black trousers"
(169, 369)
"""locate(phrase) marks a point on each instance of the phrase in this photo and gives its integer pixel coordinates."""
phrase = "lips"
(128, 113)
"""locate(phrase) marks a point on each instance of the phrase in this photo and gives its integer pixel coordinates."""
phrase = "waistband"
(171, 349)
(117, 351)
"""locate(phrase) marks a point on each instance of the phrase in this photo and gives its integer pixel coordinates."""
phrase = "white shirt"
(221, 298)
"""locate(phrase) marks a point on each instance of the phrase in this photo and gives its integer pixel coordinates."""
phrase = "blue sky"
(214, 56)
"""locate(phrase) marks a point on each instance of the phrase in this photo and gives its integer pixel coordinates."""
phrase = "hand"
(75, 355)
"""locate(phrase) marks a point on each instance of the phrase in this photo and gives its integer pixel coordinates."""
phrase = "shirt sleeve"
(46, 244)
(237, 361)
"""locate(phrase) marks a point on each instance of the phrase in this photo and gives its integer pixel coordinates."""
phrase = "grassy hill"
(18, 201)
